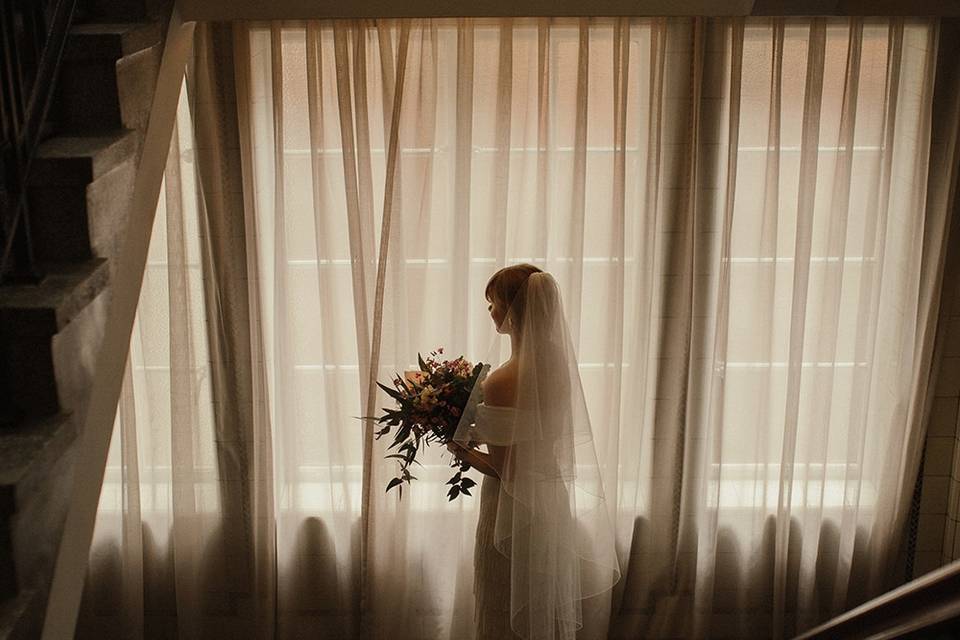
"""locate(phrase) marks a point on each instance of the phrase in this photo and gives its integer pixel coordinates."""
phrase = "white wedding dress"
(491, 581)
(545, 538)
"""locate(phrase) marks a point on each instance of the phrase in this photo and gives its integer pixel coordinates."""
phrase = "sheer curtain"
(747, 227)
(737, 214)
(155, 551)
(184, 542)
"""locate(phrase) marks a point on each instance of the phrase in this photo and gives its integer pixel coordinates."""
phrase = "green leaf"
(454, 492)
(467, 483)
(393, 393)
(465, 466)
(455, 479)
(402, 435)
(464, 490)
(393, 483)
(423, 365)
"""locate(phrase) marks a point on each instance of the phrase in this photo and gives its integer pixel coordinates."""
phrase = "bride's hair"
(509, 287)
(506, 283)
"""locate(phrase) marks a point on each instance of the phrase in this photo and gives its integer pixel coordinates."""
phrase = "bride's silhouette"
(544, 537)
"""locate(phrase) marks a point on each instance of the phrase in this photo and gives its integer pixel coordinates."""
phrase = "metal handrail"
(34, 36)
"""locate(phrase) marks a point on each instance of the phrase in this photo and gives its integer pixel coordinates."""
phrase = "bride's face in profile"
(497, 313)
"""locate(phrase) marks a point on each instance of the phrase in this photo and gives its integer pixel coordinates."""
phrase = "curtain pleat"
(245, 251)
(244, 460)
(809, 156)
(462, 182)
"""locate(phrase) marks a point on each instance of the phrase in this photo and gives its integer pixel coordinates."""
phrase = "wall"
(937, 539)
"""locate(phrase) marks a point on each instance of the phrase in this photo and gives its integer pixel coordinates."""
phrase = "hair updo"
(505, 284)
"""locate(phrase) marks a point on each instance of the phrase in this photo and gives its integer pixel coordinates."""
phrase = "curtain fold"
(243, 435)
(747, 219)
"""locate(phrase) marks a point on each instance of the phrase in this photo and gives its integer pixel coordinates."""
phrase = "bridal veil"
(552, 519)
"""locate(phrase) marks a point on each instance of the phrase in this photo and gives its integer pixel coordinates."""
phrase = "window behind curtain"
(757, 260)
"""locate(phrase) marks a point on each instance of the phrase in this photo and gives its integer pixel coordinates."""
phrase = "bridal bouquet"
(429, 405)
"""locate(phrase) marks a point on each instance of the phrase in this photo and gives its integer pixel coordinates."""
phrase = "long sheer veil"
(552, 519)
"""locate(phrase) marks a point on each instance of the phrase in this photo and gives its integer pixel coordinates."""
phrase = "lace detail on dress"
(491, 581)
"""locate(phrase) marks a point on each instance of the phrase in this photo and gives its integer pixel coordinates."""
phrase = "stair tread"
(24, 447)
(80, 159)
(104, 40)
(47, 307)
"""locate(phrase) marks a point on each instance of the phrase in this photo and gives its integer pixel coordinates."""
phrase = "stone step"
(89, 96)
(72, 176)
(73, 160)
(32, 456)
(46, 308)
(29, 316)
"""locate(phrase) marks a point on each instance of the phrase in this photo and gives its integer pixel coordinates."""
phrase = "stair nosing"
(46, 308)
(24, 449)
(65, 160)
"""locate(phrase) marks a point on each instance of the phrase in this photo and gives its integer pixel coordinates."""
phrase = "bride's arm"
(499, 389)
(486, 463)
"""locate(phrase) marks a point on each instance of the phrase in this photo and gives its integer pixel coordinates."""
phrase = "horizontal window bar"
(416, 151)
(745, 260)
(783, 365)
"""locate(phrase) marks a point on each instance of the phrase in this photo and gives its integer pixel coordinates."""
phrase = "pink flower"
(414, 376)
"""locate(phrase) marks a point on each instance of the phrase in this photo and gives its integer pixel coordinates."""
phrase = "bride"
(544, 539)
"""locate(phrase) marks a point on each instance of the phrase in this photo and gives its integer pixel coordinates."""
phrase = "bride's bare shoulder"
(500, 387)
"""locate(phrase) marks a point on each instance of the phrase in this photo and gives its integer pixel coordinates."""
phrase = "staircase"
(78, 191)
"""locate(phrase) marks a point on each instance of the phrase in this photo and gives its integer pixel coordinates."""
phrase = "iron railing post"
(34, 36)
